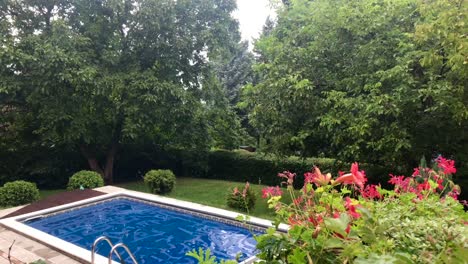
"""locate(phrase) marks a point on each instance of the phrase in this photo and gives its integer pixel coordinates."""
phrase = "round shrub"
(18, 193)
(85, 179)
(241, 198)
(160, 181)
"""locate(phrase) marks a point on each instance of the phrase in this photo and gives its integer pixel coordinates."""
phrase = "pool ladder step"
(113, 249)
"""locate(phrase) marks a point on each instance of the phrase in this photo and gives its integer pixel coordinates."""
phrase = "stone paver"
(10, 210)
(27, 250)
(109, 189)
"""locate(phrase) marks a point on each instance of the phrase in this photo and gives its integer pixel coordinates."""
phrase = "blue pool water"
(153, 234)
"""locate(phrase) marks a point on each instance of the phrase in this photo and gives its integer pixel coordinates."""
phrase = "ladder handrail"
(99, 239)
(126, 249)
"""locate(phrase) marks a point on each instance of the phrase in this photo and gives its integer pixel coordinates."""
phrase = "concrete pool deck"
(26, 250)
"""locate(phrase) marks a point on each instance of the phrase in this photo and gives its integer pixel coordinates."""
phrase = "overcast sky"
(252, 15)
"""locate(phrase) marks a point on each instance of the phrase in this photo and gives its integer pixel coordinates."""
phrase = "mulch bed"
(55, 200)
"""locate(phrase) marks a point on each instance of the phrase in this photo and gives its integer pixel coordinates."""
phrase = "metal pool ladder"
(113, 249)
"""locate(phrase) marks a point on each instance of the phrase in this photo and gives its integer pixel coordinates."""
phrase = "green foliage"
(241, 198)
(242, 166)
(93, 75)
(85, 179)
(205, 257)
(413, 223)
(18, 193)
(432, 230)
(378, 81)
(256, 167)
(39, 261)
(160, 181)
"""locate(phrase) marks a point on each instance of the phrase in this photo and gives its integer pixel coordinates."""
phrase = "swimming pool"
(156, 229)
(154, 234)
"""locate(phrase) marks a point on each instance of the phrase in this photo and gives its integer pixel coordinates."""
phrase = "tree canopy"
(92, 75)
(368, 80)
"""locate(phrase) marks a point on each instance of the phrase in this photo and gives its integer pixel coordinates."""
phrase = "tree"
(236, 72)
(376, 81)
(96, 74)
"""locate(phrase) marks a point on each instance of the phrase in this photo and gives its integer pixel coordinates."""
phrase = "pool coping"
(85, 255)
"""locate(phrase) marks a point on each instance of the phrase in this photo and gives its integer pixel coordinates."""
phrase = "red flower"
(424, 186)
(447, 165)
(271, 191)
(351, 208)
(416, 172)
(355, 177)
(317, 177)
(294, 220)
(401, 182)
(316, 220)
(298, 201)
(371, 192)
(439, 183)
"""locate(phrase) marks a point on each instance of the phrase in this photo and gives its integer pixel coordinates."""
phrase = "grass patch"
(208, 192)
(202, 191)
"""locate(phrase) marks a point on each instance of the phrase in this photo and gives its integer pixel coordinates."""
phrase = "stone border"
(15, 223)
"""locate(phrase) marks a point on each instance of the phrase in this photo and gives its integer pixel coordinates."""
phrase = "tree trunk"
(109, 169)
(92, 161)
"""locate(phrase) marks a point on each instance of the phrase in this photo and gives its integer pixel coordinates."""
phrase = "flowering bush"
(343, 220)
(241, 198)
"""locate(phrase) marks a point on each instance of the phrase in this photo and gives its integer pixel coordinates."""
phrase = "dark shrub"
(160, 181)
(85, 179)
(241, 198)
(18, 193)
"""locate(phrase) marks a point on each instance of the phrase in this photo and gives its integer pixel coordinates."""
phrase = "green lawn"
(203, 191)
(208, 192)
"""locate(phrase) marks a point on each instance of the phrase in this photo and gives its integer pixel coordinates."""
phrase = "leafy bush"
(85, 179)
(205, 257)
(241, 198)
(18, 193)
(160, 181)
(345, 220)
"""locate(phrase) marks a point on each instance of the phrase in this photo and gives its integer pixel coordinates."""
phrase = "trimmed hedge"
(85, 179)
(160, 181)
(18, 193)
(242, 166)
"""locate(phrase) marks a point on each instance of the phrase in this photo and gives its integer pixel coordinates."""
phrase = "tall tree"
(95, 74)
(376, 81)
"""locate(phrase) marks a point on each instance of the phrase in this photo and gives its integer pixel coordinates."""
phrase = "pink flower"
(235, 191)
(315, 221)
(424, 186)
(355, 177)
(289, 176)
(371, 192)
(416, 172)
(401, 182)
(351, 208)
(446, 164)
(439, 184)
(294, 220)
(271, 191)
(317, 177)
(298, 201)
